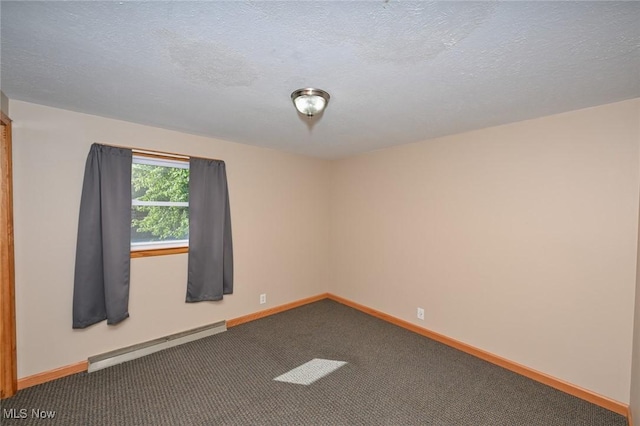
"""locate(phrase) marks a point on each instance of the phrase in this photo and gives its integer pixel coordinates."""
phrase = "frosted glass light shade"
(310, 101)
(309, 104)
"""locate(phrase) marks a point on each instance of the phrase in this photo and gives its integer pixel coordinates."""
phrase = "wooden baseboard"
(275, 310)
(56, 373)
(571, 389)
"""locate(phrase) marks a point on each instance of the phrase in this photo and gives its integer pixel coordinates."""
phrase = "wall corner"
(4, 104)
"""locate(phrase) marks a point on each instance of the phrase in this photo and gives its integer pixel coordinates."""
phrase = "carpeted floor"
(392, 377)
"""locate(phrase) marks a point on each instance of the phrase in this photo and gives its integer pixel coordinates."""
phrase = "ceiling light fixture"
(310, 101)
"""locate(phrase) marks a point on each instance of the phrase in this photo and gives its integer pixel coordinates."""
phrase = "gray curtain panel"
(210, 273)
(101, 284)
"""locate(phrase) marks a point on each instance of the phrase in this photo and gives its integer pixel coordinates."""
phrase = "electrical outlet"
(263, 298)
(421, 314)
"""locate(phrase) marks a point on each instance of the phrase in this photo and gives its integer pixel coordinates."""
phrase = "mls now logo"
(23, 413)
(14, 413)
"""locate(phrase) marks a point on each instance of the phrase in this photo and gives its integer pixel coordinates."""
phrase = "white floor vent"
(119, 356)
(311, 371)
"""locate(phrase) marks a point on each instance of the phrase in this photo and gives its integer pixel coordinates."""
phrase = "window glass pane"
(159, 183)
(160, 196)
(159, 223)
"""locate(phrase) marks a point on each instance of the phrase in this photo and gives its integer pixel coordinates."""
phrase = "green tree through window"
(160, 201)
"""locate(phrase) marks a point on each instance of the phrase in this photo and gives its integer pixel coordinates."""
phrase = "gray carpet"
(392, 377)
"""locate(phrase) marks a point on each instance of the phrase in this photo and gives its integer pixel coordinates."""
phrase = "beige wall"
(635, 367)
(4, 104)
(279, 205)
(519, 240)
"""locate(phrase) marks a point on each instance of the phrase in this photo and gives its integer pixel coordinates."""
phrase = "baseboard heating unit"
(129, 353)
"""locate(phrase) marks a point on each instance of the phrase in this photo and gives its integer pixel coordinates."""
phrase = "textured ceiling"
(397, 72)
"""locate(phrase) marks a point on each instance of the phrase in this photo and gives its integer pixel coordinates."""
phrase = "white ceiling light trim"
(310, 101)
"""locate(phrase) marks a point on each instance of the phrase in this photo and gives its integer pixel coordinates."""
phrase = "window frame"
(177, 247)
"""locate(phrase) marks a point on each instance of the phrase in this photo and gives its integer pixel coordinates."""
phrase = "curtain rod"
(152, 153)
(159, 153)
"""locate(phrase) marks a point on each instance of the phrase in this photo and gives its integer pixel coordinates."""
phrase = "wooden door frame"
(8, 362)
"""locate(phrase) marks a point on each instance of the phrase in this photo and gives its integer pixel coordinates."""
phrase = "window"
(159, 206)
